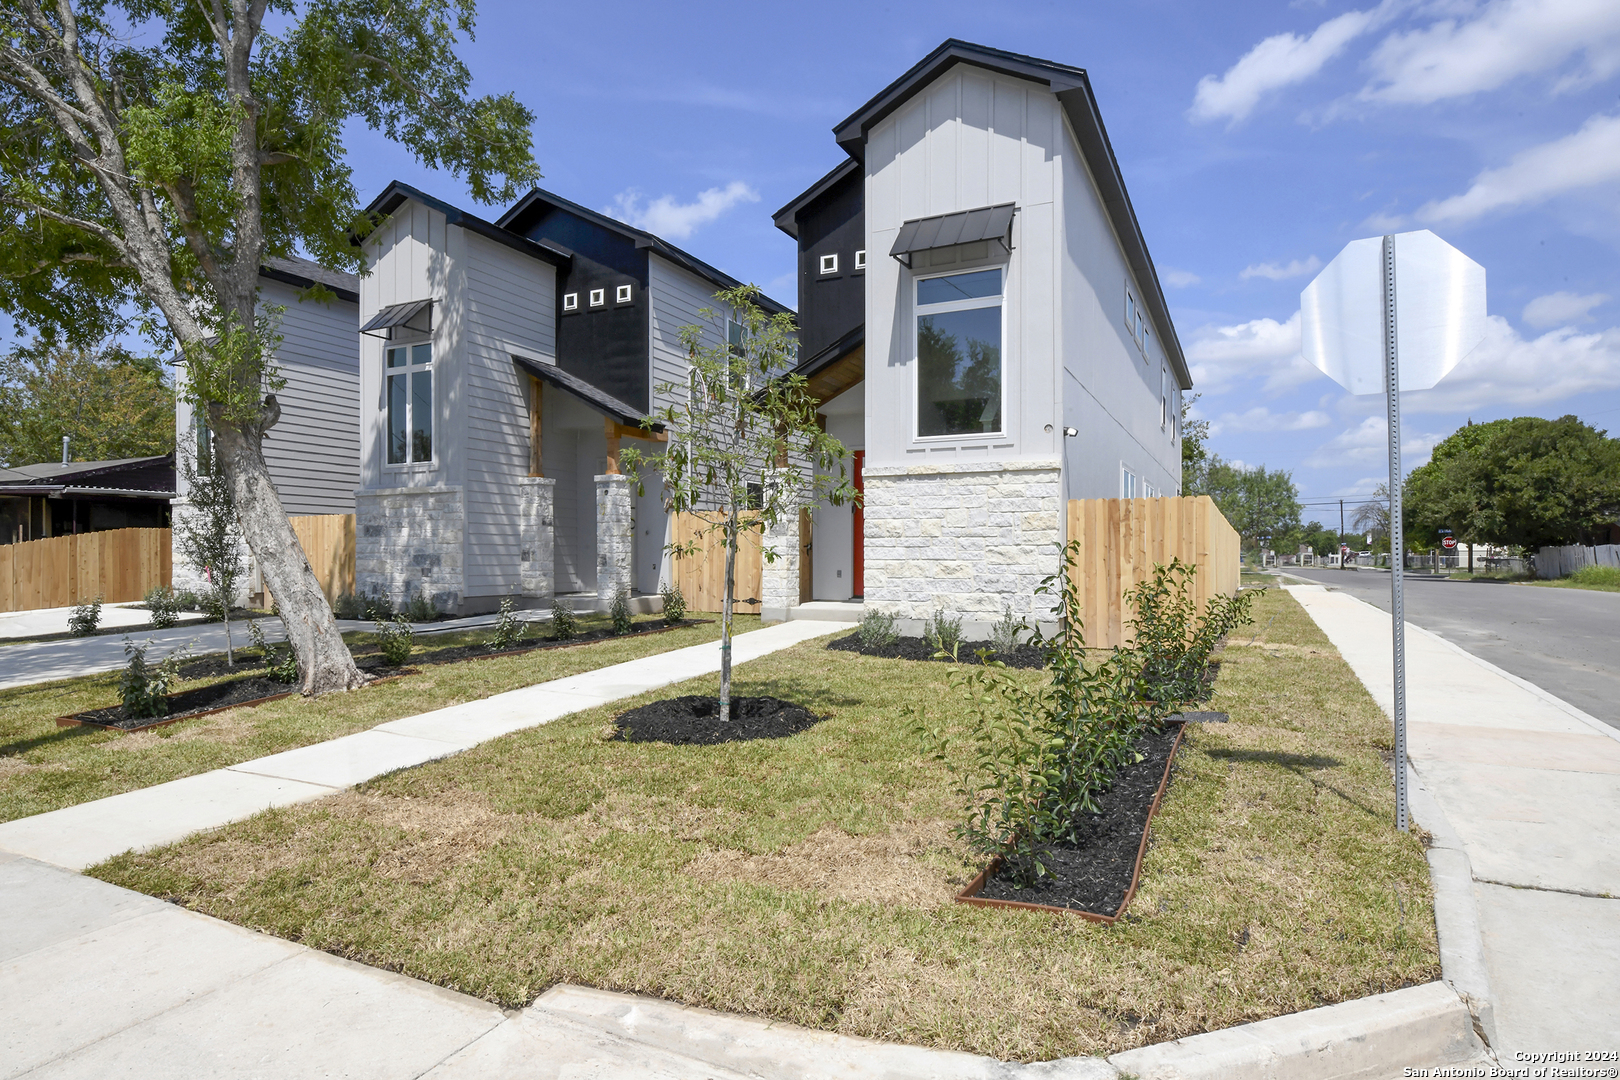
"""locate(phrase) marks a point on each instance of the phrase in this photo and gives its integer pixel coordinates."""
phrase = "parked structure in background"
(38, 502)
(502, 363)
(982, 323)
(313, 451)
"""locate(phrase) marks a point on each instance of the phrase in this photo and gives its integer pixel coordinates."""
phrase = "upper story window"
(570, 301)
(829, 264)
(959, 354)
(860, 259)
(622, 294)
(410, 403)
(1136, 321)
(1164, 399)
(1127, 483)
(598, 297)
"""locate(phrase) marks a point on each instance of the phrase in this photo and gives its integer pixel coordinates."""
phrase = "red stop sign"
(1448, 542)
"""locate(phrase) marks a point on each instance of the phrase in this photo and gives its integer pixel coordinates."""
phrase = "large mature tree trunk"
(323, 658)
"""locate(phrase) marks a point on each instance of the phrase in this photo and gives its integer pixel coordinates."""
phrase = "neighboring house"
(60, 499)
(502, 364)
(973, 287)
(313, 451)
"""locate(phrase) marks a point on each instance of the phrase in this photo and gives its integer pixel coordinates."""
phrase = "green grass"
(1600, 578)
(810, 879)
(44, 767)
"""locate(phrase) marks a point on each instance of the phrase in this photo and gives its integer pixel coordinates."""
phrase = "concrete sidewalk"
(1531, 787)
(42, 621)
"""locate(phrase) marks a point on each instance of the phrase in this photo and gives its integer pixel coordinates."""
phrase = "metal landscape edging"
(970, 895)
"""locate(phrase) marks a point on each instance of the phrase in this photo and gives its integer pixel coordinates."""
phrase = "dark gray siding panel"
(314, 451)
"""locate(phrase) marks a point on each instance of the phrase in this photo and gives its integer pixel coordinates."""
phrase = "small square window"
(829, 264)
(622, 295)
(860, 259)
(598, 297)
(570, 301)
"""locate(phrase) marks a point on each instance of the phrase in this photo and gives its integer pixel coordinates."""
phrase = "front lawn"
(810, 879)
(44, 767)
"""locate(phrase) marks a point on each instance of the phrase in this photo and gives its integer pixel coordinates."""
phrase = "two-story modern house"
(983, 325)
(502, 364)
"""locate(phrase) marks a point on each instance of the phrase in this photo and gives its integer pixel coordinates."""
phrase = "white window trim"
(623, 294)
(598, 297)
(432, 366)
(829, 263)
(571, 301)
(1127, 491)
(916, 361)
(860, 259)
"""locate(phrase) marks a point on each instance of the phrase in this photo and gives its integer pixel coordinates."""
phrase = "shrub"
(563, 624)
(419, 608)
(1608, 576)
(280, 662)
(394, 640)
(187, 600)
(164, 607)
(943, 632)
(619, 612)
(509, 629)
(1172, 641)
(85, 618)
(349, 606)
(143, 687)
(674, 604)
(1004, 634)
(877, 630)
(377, 607)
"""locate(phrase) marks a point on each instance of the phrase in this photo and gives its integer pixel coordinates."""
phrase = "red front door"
(859, 572)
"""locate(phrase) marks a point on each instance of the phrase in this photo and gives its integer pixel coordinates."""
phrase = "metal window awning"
(948, 230)
(413, 315)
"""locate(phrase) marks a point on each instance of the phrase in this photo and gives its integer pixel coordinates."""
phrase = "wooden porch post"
(536, 402)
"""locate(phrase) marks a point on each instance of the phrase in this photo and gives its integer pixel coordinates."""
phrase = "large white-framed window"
(958, 347)
(409, 397)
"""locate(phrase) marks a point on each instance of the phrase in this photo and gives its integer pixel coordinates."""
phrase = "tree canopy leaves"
(1261, 504)
(110, 404)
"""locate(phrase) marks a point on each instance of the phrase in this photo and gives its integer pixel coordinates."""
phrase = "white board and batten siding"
(678, 298)
(510, 310)
(971, 139)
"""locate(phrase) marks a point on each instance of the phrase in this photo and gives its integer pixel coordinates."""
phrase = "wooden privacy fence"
(702, 576)
(1122, 539)
(328, 543)
(118, 565)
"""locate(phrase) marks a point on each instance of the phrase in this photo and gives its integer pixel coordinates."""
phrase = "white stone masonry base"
(615, 538)
(779, 579)
(409, 540)
(537, 564)
(966, 539)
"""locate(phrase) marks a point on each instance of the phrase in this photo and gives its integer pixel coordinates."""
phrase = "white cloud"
(1221, 356)
(1510, 370)
(1589, 156)
(1359, 490)
(676, 220)
(1180, 279)
(1561, 309)
(1282, 271)
(1368, 442)
(1261, 418)
(1278, 61)
(1503, 40)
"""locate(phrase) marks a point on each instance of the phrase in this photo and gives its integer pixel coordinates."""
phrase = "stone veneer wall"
(408, 539)
(967, 538)
(779, 580)
(537, 560)
(183, 576)
(615, 538)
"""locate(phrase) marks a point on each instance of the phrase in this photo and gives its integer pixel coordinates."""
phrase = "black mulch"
(190, 702)
(695, 721)
(915, 648)
(1095, 873)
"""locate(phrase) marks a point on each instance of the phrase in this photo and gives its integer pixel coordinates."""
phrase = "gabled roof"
(600, 400)
(396, 193)
(304, 274)
(1072, 87)
(642, 238)
(787, 218)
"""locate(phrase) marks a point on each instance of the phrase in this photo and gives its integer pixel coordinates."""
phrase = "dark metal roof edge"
(810, 195)
(592, 396)
(108, 469)
(397, 192)
(642, 238)
(286, 277)
(133, 493)
(832, 353)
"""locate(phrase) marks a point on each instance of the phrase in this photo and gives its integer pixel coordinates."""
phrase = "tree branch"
(111, 237)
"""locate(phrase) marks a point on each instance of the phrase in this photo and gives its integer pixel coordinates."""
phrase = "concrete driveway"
(1563, 640)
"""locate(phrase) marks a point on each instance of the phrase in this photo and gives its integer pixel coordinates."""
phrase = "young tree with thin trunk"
(153, 152)
(207, 534)
(744, 448)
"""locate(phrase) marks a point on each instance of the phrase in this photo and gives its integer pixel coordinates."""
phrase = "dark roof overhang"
(599, 400)
(412, 315)
(1072, 87)
(641, 237)
(395, 194)
(948, 230)
(787, 218)
(811, 366)
(305, 275)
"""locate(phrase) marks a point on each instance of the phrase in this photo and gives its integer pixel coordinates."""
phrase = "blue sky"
(1255, 139)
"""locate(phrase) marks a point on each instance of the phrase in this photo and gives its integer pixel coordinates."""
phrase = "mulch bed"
(1096, 876)
(915, 648)
(204, 699)
(694, 720)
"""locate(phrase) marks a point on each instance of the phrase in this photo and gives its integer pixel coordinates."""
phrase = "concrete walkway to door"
(1532, 787)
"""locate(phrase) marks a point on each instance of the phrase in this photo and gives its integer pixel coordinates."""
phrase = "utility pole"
(1341, 534)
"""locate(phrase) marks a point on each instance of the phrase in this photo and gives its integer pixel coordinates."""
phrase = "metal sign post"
(1397, 533)
(1350, 331)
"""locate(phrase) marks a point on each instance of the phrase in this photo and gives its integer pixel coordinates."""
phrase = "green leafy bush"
(943, 632)
(349, 606)
(1172, 640)
(143, 688)
(377, 607)
(85, 618)
(394, 640)
(674, 604)
(1005, 633)
(509, 629)
(187, 600)
(280, 662)
(564, 626)
(164, 607)
(877, 630)
(619, 612)
(419, 608)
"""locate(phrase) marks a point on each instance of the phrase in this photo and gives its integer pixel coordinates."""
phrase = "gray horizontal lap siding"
(313, 452)
(509, 302)
(678, 296)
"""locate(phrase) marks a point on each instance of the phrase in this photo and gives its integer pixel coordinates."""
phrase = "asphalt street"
(1566, 641)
